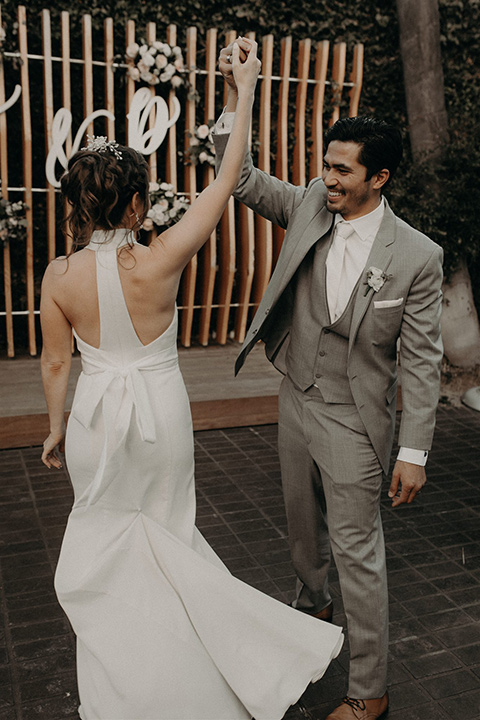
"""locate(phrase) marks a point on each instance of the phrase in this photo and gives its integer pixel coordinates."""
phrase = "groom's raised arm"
(268, 196)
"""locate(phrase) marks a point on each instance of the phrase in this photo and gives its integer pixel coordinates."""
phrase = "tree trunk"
(428, 124)
(460, 332)
(423, 74)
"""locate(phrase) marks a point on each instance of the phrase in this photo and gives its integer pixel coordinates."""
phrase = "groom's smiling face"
(349, 191)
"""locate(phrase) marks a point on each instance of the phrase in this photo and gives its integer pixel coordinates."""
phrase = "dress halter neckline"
(109, 240)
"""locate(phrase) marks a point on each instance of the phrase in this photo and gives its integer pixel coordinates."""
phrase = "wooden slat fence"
(221, 287)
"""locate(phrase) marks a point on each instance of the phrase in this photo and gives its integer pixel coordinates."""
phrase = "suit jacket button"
(326, 331)
(322, 353)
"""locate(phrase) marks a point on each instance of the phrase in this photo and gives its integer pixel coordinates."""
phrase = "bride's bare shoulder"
(64, 265)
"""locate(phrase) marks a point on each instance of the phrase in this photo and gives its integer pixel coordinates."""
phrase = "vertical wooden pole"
(171, 158)
(66, 82)
(209, 251)
(109, 76)
(48, 114)
(190, 274)
(7, 268)
(263, 240)
(299, 152)
(87, 70)
(281, 166)
(338, 78)
(129, 84)
(66, 99)
(246, 262)
(27, 173)
(321, 66)
(226, 251)
(356, 77)
(152, 158)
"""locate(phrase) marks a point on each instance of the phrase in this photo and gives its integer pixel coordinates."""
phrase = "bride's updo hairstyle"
(99, 183)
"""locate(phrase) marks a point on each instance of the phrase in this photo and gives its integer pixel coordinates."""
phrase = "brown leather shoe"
(326, 614)
(352, 709)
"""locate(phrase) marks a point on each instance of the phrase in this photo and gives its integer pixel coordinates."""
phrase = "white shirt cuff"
(224, 124)
(417, 457)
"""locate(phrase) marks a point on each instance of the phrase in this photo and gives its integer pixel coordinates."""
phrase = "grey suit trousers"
(332, 481)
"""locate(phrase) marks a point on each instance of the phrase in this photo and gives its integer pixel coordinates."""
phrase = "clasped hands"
(232, 62)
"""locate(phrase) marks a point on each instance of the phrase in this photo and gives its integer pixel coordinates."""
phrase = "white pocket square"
(387, 303)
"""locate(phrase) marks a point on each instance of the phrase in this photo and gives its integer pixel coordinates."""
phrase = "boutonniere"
(376, 279)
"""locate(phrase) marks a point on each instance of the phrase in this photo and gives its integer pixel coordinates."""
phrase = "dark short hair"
(380, 143)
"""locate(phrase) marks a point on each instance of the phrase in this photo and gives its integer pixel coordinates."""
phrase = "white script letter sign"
(147, 141)
(62, 122)
(144, 141)
(11, 100)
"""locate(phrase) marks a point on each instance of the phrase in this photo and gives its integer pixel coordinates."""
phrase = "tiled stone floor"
(434, 571)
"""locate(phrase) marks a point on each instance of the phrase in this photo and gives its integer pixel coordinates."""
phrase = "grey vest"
(318, 349)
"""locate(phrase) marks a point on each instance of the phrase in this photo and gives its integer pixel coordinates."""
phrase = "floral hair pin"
(101, 144)
(376, 279)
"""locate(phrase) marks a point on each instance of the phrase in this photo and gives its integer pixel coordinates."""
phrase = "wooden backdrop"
(307, 84)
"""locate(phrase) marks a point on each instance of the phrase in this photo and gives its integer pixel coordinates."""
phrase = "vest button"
(322, 353)
(318, 375)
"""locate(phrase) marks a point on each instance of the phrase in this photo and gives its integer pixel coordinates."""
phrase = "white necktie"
(338, 287)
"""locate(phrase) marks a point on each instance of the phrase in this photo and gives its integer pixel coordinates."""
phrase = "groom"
(353, 284)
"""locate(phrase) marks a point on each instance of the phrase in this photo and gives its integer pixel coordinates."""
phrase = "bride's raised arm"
(178, 244)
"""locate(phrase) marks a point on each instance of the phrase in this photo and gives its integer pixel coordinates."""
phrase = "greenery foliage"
(440, 201)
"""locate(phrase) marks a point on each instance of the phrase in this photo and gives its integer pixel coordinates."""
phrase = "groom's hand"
(225, 58)
(407, 481)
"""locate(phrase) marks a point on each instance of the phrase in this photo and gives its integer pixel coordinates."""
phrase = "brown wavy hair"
(98, 187)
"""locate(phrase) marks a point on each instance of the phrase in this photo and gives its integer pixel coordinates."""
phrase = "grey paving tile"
(454, 683)
(433, 549)
(439, 661)
(424, 711)
(463, 707)
(445, 619)
(468, 654)
(407, 695)
(458, 636)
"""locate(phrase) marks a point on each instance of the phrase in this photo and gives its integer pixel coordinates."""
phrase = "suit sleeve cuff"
(416, 457)
(224, 124)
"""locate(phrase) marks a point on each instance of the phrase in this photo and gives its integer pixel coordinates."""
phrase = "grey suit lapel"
(288, 262)
(380, 257)
(318, 225)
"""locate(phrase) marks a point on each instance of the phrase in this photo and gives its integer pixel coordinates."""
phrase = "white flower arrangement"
(155, 63)
(376, 279)
(13, 222)
(166, 207)
(202, 149)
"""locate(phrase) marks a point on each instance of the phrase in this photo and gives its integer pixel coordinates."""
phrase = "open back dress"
(164, 631)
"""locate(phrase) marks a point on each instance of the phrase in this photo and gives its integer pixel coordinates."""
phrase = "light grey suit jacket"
(414, 263)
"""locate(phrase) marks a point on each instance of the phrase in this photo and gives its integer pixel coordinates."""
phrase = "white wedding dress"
(164, 631)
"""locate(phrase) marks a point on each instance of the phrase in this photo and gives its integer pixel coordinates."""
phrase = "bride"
(164, 631)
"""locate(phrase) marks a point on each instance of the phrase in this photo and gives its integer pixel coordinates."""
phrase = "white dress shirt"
(355, 258)
(347, 257)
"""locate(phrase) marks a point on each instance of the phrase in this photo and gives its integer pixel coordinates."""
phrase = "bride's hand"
(245, 73)
(49, 456)
(225, 59)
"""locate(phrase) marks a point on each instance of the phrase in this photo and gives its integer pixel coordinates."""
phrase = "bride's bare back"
(149, 293)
